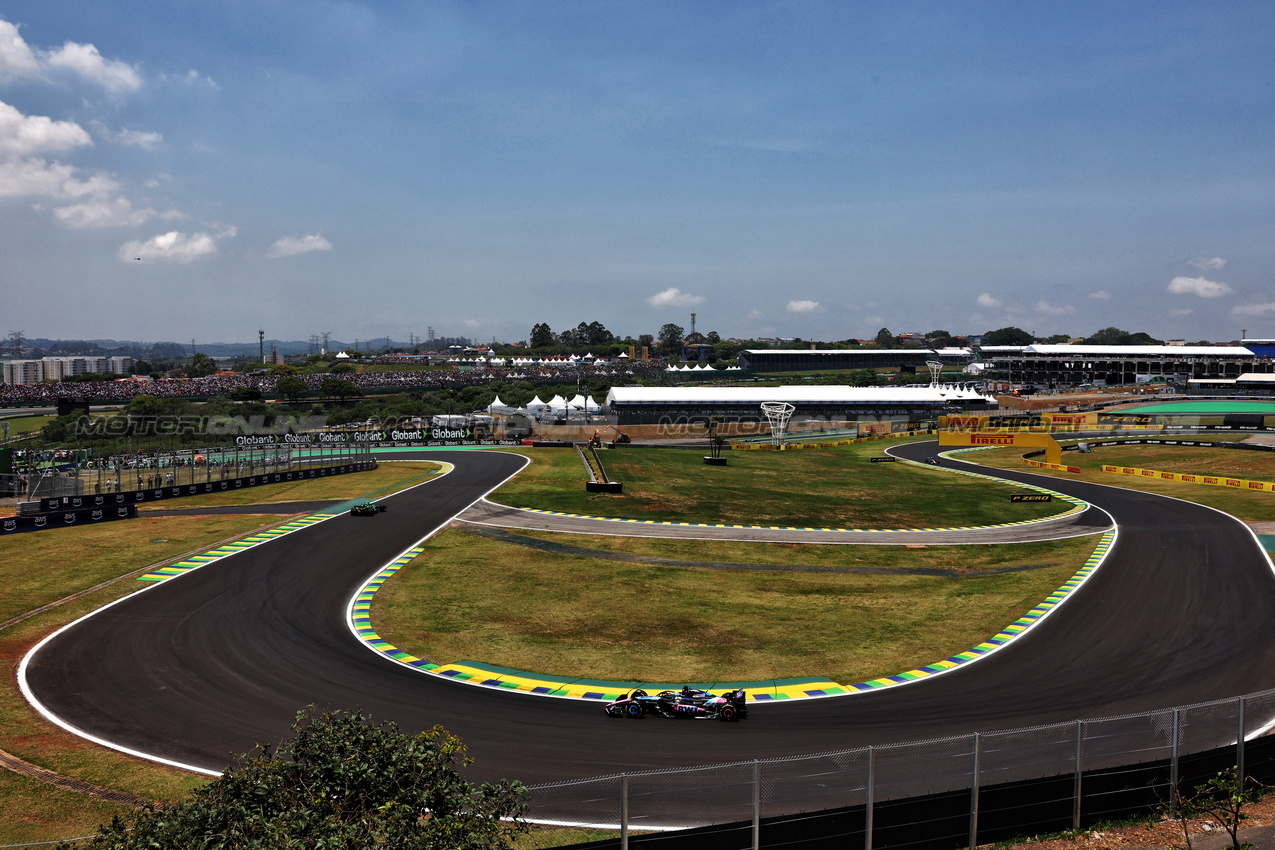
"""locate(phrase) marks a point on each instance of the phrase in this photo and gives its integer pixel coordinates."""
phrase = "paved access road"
(204, 666)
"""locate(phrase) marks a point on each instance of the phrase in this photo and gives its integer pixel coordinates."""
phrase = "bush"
(338, 782)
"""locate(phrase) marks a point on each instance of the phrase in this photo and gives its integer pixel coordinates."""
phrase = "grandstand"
(803, 360)
(681, 405)
(1055, 366)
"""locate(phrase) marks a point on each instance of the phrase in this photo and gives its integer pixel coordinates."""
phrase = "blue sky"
(783, 169)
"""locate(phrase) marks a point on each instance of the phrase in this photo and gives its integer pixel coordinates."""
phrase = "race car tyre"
(728, 713)
(633, 710)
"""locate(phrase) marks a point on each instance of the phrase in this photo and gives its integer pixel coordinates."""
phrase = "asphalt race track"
(205, 666)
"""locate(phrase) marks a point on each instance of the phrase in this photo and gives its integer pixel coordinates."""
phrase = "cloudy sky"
(180, 169)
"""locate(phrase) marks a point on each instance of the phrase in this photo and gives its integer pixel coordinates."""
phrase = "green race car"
(367, 509)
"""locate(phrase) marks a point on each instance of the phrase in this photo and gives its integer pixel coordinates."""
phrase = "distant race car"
(933, 460)
(367, 509)
(688, 702)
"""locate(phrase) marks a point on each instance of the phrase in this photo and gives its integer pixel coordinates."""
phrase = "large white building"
(57, 368)
(675, 405)
(23, 371)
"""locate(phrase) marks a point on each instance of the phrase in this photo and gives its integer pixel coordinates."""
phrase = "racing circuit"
(198, 669)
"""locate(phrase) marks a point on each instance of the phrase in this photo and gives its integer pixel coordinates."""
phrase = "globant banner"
(426, 437)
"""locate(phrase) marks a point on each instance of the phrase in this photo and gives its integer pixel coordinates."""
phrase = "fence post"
(756, 804)
(974, 798)
(1239, 745)
(1173, 768)
(1080, 737)
(867, 804)
(624, 811)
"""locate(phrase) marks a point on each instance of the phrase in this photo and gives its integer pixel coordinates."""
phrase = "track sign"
(1031, 497)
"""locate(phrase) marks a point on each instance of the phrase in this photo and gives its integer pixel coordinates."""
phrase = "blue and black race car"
(688, 702)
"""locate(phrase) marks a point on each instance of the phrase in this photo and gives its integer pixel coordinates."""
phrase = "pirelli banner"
(1051, 422)
(1007, 439)
(1193, 478)
(64, 519)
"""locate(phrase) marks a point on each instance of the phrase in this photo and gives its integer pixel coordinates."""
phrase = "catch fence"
(938, 794)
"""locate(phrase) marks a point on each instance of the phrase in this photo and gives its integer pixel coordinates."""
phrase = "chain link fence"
(945, 793)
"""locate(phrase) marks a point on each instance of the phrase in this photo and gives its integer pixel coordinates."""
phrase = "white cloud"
(173, 247)
(16, 58)
(1200, 286)
(102, 212)
(1207, 264)
(755, 314)
(803, 306)
(1047, 309)
(1185, 311)
(1100, 295)
(85, 60)
(35, 177)
(472, 323)
(24, 135)
(129, 138)
(290, 246)
(674, 297)
(986, 300)
(1253, 309)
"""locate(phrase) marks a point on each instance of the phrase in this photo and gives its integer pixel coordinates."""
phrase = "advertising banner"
(155, 494)
(65, 518)
(1193, 478)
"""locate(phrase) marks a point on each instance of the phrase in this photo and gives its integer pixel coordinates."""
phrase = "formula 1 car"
(688, 702)
(367, 509)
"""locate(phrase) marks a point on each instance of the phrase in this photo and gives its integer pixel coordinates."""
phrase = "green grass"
(819, 488)
(1236, 463)
(467, 597)
(36, 811)
(26, 424)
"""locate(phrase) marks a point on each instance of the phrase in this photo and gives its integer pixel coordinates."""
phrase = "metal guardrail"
(942, 793)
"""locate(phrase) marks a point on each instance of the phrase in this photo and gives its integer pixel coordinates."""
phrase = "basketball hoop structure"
(778, 413)
(936, 370)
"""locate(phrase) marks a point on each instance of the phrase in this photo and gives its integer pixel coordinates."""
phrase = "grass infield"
(816, 488)
(1237, 463)
(468, 597)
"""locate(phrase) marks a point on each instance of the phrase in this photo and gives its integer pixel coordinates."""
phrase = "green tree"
(541, 336)
(338, 782)
(201, 366)
(291, 388)
(671, 339)
(245, 394)
(1222, 798)
(1008, 336)
(645, 339)
(713, 337)
(885, 339)
(339, 388)
(597, 333)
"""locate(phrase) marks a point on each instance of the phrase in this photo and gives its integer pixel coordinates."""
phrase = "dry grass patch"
(467, 597)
